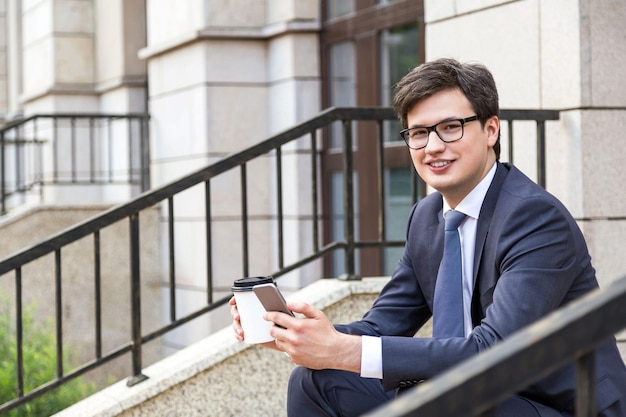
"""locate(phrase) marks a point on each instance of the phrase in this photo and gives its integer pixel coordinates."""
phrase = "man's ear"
(492, 128)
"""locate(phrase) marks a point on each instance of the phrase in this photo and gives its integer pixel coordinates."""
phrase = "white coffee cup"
(251, 311)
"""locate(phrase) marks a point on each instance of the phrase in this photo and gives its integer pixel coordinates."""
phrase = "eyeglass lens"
(448, 131)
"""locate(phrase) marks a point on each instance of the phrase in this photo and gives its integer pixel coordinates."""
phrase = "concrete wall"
(224, 76)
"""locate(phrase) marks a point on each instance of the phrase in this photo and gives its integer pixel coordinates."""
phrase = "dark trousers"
(343, 394)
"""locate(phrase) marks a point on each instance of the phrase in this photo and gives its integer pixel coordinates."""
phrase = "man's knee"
(309, 381)
(299, 378)
(332, 392)
(306, 394)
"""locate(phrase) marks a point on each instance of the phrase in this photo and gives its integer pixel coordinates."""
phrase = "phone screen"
(271, 298)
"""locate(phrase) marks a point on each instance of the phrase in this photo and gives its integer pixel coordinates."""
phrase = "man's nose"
(435, 144)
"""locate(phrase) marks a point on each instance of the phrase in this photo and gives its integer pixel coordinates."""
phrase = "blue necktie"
(448, 304)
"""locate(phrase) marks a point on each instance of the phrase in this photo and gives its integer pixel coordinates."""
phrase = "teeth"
(439, 164)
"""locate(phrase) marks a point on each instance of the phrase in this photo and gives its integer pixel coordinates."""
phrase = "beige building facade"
(218, 76)
(563, 55)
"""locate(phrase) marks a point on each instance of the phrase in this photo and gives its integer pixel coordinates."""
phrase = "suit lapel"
(429, 265)
(484, 221)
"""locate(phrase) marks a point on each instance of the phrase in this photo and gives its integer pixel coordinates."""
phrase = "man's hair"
(474, 80)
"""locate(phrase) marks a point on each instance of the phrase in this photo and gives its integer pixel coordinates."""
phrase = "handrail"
(166, 193)
(567, 335)
(151, 197)
(43, 150)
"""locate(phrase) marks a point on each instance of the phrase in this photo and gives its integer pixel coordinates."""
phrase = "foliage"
(39, 361)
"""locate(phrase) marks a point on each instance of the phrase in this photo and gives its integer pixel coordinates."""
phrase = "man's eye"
(417, 133)
(451, 126)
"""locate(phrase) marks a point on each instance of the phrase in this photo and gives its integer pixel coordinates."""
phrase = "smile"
(438, 164)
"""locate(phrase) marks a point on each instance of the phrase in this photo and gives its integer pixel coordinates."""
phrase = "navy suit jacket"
(530, 259)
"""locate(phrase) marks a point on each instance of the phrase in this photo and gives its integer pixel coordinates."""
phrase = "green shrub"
(39, 358)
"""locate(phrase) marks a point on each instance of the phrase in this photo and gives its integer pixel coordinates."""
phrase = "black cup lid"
(247, 283)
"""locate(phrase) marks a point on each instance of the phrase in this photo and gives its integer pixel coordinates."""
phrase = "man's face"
(454, 168)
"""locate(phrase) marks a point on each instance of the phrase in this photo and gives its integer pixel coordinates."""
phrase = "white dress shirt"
(371, 351)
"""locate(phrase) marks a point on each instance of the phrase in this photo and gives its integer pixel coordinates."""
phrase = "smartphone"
(271, 298)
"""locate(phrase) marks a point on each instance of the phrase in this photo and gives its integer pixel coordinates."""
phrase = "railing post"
(55, 150)
(145, 153)
(209, 241)
(244, 220)
(314, 190)
(380, 149)
(510, 136)
(20, 181)
(58, 301)
(586, 386)
(172, 258)
(541, 153)
(279, 207)
(19, 330)
(3, 184)
(348, 201)
(74, 152)
(97, 293)
(135, 302)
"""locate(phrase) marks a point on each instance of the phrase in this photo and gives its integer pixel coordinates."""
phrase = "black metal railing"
(566, 336)
(71, 149)
(15, 267)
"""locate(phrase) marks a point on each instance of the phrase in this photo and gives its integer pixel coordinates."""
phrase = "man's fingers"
(279, 319)
(305, 309)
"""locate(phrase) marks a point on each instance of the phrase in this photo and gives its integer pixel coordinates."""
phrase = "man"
(523, 256)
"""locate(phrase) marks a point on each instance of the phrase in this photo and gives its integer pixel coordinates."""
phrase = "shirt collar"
(472, 202)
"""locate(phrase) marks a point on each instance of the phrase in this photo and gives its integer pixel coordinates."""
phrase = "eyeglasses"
(447, 130)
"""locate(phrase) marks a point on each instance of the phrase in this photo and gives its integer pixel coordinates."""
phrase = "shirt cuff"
(371, 357)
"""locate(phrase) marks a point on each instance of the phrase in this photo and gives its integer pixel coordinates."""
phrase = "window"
(368, 45)
(339, 8)
(342, 89)
(399, 54)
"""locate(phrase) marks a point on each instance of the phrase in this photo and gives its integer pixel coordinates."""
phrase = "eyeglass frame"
(433, 128)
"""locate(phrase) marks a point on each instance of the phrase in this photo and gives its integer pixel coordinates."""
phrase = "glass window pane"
(342, 74)
(337, 222)
(399, 54)
(398, 203)
(342, 84)
(339, 8)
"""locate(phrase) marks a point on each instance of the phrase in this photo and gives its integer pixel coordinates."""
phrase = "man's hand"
(234, 313)
(313, 341)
